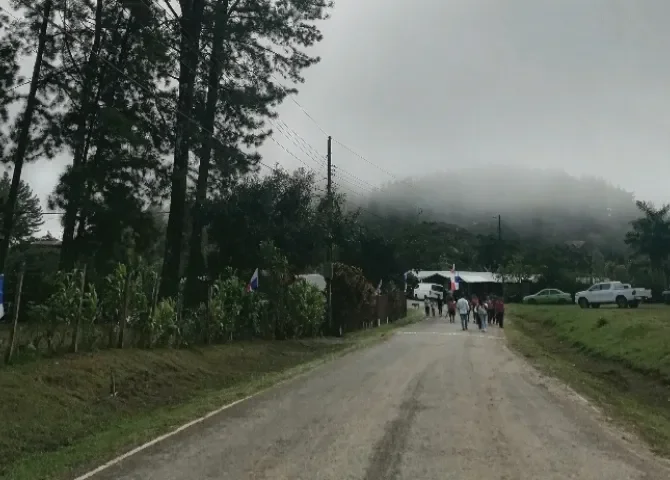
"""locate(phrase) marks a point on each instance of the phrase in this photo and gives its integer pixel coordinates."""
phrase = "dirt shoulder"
(65, 415)
(617, 358)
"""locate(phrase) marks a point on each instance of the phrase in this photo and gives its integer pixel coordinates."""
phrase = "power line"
(278, 82)
(176, 110)
(148, 90)
(298, 137)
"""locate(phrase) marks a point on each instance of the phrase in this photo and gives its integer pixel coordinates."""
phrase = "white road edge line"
(188, 425)
(165, 436)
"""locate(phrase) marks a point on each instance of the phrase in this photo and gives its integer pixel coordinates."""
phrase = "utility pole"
(499, 230)
(329, 251)
(500, 252)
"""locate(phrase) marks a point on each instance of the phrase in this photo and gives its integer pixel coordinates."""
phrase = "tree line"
(157, 109)
(161, 113)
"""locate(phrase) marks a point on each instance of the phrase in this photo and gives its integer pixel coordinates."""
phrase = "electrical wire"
(177, 111)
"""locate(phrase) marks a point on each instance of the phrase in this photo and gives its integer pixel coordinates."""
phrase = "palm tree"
(650, 235)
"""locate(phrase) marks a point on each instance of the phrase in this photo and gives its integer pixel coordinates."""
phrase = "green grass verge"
(59, 419)
(620, 358)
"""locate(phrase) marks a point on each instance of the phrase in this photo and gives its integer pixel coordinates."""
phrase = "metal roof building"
(467, 277)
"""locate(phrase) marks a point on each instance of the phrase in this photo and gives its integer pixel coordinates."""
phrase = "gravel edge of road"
(571, 385)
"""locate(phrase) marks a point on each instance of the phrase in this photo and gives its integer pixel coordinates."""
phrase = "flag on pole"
(379, 288)
(253, 283)
(454, 279)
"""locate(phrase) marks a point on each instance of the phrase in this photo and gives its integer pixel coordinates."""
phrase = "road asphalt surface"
(432, 402)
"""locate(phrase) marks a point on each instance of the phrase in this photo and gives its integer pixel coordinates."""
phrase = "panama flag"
(454, 279)
(253, 283)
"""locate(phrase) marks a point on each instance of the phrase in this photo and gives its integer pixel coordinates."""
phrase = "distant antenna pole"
(329, 251)
(500, 250)
(499, 230)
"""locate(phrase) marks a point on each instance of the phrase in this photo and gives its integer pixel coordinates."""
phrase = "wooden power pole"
(329, 251)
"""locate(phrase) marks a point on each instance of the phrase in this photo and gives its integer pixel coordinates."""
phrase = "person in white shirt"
(482, 313)
(463, 307)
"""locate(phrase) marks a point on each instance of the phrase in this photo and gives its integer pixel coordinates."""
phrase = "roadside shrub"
(353, 298)
(164, 322)
(306, 306)
(125, 311)
(61, 310)
(225, 307)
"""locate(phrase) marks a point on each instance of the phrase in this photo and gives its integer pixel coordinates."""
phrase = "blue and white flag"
(253, 283)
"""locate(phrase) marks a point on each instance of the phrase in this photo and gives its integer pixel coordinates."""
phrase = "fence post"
(152, 309)
(15, 321)
(77, 323)
(124, 309)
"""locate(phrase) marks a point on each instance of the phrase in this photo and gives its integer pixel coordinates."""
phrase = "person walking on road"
(475, 310)
(451, 309)
(500, 312)
(426, 305)
(491, 310)
(481, 313)
(463, 307)
(432, 306)
(440, 302)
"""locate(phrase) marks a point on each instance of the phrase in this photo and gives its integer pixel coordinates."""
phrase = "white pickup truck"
(621, 294)
(643, 293)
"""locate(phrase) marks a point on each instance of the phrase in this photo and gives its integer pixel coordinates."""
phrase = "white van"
(430, 290)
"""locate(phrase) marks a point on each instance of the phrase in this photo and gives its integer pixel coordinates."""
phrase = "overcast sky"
(431, 85)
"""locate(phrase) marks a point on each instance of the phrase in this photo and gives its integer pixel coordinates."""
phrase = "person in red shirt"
(451, 309)
(500, 312)
(491, 310)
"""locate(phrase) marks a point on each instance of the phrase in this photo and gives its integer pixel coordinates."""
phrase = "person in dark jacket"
(500, 312)
(491, 310)
(440, 302)
(475, 309)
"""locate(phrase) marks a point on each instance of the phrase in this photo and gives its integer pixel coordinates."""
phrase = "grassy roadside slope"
(58, 417)
(619, 358)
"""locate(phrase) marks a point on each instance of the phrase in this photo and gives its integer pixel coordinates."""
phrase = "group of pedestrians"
(487, 312)
(432, 303)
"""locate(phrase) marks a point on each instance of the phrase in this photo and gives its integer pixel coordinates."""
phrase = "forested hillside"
(552, 206)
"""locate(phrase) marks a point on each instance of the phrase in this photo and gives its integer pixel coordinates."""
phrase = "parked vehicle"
(610, 293)
(548, 296)
(666, 297)
(643, 293)
(430, 290)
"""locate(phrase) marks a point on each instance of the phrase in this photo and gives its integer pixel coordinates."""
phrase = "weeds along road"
(431, 403)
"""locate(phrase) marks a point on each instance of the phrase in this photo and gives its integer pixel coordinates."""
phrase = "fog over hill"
(532, 203)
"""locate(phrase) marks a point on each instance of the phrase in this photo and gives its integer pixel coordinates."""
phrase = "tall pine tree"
(242, 89)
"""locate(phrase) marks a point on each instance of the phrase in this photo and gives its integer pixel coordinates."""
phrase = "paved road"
(431, 403)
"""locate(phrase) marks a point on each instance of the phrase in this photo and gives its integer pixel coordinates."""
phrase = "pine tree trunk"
(88, 106)
(191, 26)
(23, 139)
(196, 255)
